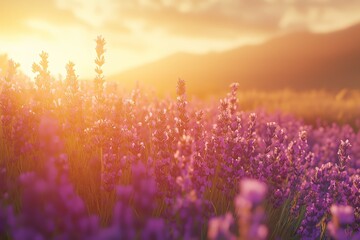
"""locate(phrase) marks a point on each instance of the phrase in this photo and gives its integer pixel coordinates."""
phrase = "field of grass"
(83, 161)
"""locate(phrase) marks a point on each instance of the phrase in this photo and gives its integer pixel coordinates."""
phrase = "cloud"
(15, 16)
(199, 18)
(320, 15)
(231, 18)
(100, 15)
(186, 18)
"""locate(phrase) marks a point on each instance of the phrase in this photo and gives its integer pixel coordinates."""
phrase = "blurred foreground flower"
(219, 228)
(342, 217)
(250, 214)
(249, 211)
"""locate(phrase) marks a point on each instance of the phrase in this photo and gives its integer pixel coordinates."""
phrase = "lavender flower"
(87, 160)
(249, 210)
(219, 228)
(342, 216)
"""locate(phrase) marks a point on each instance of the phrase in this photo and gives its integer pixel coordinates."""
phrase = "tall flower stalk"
(99, 62)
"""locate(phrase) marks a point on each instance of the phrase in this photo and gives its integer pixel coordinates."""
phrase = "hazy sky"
(139, 31)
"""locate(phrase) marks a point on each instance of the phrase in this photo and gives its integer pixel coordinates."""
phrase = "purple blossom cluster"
(81, 161)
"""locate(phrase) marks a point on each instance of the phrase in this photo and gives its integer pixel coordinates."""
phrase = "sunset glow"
(140, 31)
(179, 120)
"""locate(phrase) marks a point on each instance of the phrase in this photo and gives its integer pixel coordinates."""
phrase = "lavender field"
(81, 161)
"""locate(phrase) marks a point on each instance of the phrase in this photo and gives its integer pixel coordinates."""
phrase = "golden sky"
(140, 31)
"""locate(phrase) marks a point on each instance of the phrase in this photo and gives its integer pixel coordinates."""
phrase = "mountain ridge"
(299, 61)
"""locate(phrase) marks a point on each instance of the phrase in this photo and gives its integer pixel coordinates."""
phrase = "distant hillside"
(299, 61)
